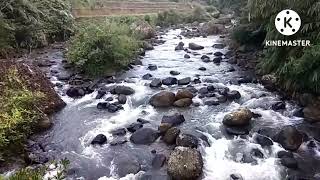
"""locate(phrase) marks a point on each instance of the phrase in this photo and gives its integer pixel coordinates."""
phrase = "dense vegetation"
(33, 23)
(18, 111)
(99, 48)
(298, 68)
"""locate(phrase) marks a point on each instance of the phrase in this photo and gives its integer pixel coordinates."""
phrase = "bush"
(34, 23)
(18, 110)
(99, 49)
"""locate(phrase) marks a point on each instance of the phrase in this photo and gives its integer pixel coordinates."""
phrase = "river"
(80, 121)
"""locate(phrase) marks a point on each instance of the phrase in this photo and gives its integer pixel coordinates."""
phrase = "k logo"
(288, 22)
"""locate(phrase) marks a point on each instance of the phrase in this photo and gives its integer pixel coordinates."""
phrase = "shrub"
(18, 111)
(99, 49)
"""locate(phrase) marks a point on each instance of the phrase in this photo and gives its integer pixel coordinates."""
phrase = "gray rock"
(144, 136)
(194, 46)
(162, 99)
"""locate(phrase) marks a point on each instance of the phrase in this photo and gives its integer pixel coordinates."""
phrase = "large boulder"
(125, 164)
(194, 46)
(289, 138)
(155, 83)
(185, 164)
(144, 136)
(75, 92)
(125, 90)
(312, 113)
(174, 120)
(212, 28)
(184, 81)
(241, 117)
(187, 140)
(269, 82)
(179, 47)
(143, 29)
(99, 139)
(162, 99)
(169, 81)
(184, 93)
(171, 135)
(185, 102)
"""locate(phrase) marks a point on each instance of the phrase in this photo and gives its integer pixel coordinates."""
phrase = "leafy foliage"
(18, 110)
(103, 47)
(297, 67)
(33, 23)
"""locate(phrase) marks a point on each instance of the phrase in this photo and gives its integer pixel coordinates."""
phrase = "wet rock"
(184, 81)
(37, 157)
(162, 99)
(238, 131)
(158, 161)
(236, 177)
(278, 106)
(221, 98)
(219, 46)
(212, 102)
(185, 163)
(169, 81)
(257, 153)
(218, 54)
(63, 76)
(284, 154)
(125, 164)
(213, 28)
(154, 176)
(122, 99)
(99, 139)
(211, 88)
(312, 113)
(232, 95)
(119, 132)
(103, 105)
(125, 90)
(75, 92)
(152, 67)
(144, 29)
(155, 83)
(148, 46)
(290, 138)
(202, 69)
(109, 99)
(185, 102)
(144, 136)
(187, 56)
(137, 62)
(164, 127)
(231, 69)
(118, 141)
(174, 73)
(263, 140)
(174, 120)
(192, 89)
(179, 47)
(194, 46)
(101, 93)
(269, 82)
(197, 81)
(134, 127)
(298, 113)
(112, 108)
(205, 57)
(184, 93)
(289, 162)
(187, 140)
(142, 121)
(217, 60)
(147, 76)
(171, 135)
(242, 117)
(203, 90)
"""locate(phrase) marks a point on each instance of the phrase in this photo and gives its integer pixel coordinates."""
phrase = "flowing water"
(80, 121)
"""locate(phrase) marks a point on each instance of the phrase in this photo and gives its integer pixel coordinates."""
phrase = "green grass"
(18, 111)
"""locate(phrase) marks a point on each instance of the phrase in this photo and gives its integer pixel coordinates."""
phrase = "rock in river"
(125, 90)
(144, 136)
(99, 139)
(194, 46)
(187, 140)
(174, 120)
(125, 164)
(162, 99)
(75, 92)
(184, 93)
(185, 164)
(170, 81)
(155, 83)
(241, 117)
(184, 81)
(290, 138)
(185, 102)
(171, 135)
